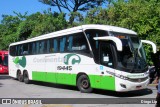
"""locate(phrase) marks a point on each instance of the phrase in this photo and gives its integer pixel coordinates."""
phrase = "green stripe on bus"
(97, 81)
(102, 82)
(61, 78)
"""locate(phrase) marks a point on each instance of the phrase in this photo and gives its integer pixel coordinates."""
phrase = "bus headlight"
(121, 76)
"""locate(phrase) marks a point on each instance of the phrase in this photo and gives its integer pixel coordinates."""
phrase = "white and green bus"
(87, 56)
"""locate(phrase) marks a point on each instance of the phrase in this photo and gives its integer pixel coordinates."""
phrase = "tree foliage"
(16, 28)
(74, 6)
(142, 16)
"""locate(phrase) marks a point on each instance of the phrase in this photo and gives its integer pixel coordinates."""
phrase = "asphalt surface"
(11, 88)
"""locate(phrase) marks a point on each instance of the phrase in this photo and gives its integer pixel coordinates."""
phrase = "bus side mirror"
(116, 40)
(151, 43)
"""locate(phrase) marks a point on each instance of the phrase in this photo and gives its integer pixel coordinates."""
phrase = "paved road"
(10, 88)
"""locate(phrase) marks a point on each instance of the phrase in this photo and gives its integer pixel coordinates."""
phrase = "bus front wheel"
(83, 84)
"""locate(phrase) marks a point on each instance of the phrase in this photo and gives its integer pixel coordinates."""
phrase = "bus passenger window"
(79, 42)
(33, 48)
(62, 44)
(56, 46)
(25, 49)
(30, 48)
(12, 50)
(41, 47)
(37, 47)
(48, 46)
(69, 43)
(45, 47)
(51, 45)
(20, 50)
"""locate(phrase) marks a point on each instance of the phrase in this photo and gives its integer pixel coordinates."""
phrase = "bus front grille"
(138, 79)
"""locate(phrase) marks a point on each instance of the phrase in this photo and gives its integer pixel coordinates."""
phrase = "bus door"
(106, 60)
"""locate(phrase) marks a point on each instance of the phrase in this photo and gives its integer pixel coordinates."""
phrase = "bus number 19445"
(68, 68)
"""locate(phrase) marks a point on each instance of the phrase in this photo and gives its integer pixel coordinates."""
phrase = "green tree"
(17, 28)
(74, 6)
(38, 24)
(8, 30)
(141, 16)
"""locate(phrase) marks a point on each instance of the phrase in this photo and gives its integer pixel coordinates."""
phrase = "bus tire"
(26, 77)
(19, 76)
(83, 84)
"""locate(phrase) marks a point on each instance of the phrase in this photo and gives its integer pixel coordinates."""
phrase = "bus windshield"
(5, 61)
(132, 56)
(0, 60)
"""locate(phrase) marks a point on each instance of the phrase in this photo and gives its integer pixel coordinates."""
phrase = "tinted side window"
(12, 50)
(95, 44)
(62, 44)
(95, 33)
(51, 45)
(25, 49)
(33, 48)
(69, 43)
(48, 46)
(56, 45)
(37, 47)
(30, 48)
(77, 43)
(41, 47)
(19, 50)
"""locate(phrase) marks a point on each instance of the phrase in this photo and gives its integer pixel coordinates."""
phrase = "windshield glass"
(5, 61)
(0, 60)
(132, 56)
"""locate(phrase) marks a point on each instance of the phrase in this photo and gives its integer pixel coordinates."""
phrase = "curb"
(152, 84)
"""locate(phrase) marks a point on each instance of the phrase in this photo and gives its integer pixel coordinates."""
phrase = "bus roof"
(3, 52)
(76, 30)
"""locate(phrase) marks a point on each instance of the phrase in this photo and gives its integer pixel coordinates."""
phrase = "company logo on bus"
(20, 61)
(71, 59)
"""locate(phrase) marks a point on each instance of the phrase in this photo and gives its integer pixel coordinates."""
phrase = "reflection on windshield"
(132, 56)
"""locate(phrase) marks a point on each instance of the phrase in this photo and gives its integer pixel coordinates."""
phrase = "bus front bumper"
(127, 85)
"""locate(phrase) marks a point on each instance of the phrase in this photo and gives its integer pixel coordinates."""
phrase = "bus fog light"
(138, 87)
(123, 85)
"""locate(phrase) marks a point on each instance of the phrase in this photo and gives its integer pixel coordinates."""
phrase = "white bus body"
(88, 56)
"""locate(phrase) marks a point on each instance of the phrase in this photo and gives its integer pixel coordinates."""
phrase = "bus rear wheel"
(26, 77)
(19, 76)
(83, 84)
